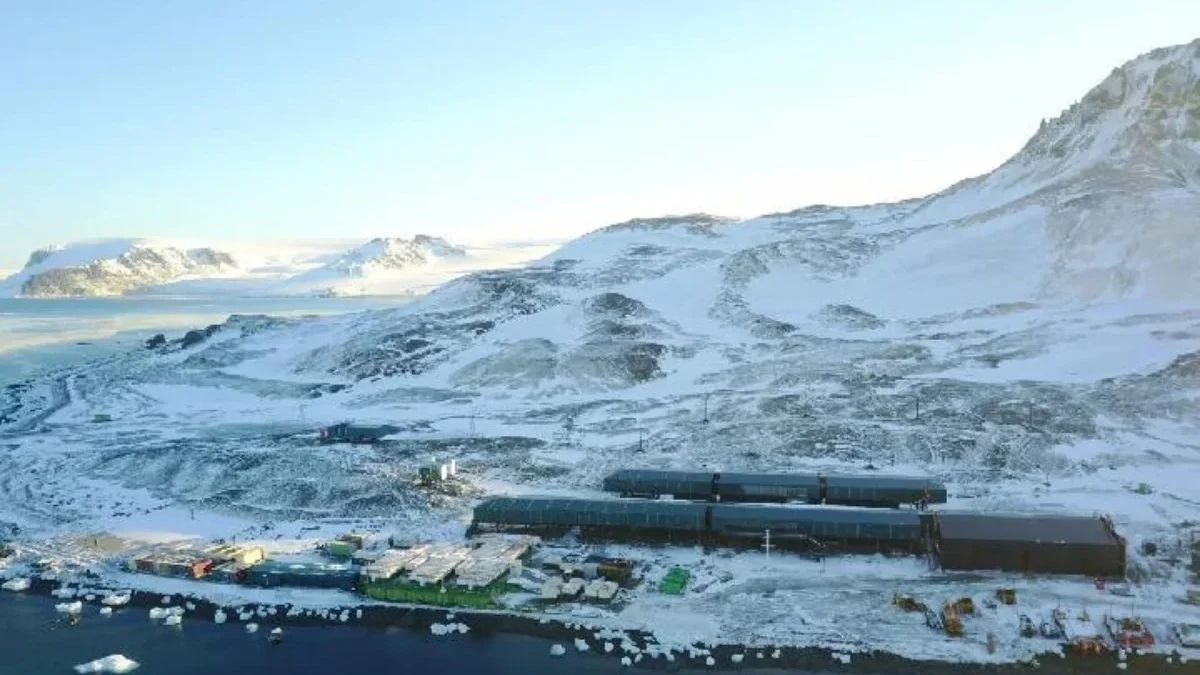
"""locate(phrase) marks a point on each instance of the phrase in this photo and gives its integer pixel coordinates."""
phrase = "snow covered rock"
(220, 617)
(251, 628)
(69, 607)
(106, 611)
(158, 613)
(173, 620)
(737, 658)
(116, 663)
(626, 661)
(710, 662)
(581, 645)
(557, 650)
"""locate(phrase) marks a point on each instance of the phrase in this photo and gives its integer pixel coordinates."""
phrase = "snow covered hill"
(112, 267)
(1031, 336)
(391, 266)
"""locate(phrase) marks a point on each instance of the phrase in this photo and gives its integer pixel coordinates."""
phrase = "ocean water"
(36, 334)
(34, 642)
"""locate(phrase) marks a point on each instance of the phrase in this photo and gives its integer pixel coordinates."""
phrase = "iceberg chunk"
(116, 663)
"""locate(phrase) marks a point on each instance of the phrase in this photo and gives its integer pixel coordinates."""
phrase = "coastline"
(567, 633)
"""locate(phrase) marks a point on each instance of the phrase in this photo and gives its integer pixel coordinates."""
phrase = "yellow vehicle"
(951, 620)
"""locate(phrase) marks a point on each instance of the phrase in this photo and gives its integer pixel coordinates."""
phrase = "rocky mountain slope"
(1036, 325)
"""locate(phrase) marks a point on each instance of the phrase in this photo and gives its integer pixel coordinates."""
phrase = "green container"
(675, 581)
(439, 596)
(340, 549)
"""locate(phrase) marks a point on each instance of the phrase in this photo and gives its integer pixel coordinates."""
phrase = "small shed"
(1034, 544)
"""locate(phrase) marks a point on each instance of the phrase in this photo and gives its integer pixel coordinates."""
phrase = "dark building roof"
(883, 481)
(551, 511)
(661, 476)
(830, 522)
(781, 479)
(1024, 528)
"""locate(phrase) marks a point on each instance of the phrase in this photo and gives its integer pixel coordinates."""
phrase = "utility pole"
(917, 401)
(640, 438)
(706, 408)
(767, 545)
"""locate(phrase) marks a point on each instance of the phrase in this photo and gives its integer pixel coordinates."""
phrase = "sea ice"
(116, 663)
(69, 607)
(116, 599)
(16, 585)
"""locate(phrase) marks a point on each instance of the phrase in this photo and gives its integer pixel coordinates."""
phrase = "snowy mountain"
(1036, 326)
(390, 266)
(111, 267)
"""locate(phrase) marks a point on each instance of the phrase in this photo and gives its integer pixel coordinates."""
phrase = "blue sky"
(525, 118)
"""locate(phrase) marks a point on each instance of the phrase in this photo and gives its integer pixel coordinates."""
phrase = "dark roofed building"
(654, 483)
(768, 487)
(832, 524)
(605, 517)
(882, 489)
(1036, 544)
(354, 433)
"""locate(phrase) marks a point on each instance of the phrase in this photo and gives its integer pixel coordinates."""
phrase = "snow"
(115, 663)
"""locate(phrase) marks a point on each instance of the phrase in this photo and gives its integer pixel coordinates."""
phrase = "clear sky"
(494, 118)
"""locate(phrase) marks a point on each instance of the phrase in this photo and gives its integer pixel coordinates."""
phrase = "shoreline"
(653, 655)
